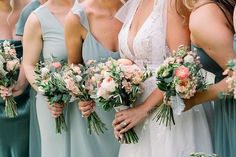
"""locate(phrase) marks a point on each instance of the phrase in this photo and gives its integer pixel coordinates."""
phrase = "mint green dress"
(224, 128)
(79, 142)
(14, 132)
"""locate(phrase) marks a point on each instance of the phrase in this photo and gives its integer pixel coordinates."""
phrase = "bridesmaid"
(215, 49)
(14, 132)
(43, 37)
(92, 33)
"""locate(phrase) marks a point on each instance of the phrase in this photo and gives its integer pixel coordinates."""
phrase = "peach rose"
(13, 64)
(182, 72)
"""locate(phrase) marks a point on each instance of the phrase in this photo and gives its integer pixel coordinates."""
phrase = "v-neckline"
(131, 47)
(54, 17)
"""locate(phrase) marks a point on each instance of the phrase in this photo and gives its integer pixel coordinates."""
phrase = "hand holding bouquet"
(231, 78)
(179, 77)
(81, 83)
(9, 71)
(119, 88)
(50, 82)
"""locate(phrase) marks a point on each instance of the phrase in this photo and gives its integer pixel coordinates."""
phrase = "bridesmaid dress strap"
(79, 10)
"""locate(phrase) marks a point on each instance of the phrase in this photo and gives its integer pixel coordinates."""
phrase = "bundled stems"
(10, 107)
(60, 124)
(165, 115)
(95, 123)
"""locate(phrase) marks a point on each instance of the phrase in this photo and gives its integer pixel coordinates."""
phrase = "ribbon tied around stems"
(177, 104)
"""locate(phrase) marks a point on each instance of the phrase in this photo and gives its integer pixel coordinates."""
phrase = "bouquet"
(49, 80)
(9, 71)
(203, 155)
(179, 77)
(231, 78)
(119, 88)
(81, 83)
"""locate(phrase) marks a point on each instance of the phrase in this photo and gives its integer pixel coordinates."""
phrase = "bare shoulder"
(207, 17)
(33, 24)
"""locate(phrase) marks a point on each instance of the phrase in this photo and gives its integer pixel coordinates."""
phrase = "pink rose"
(13, 64)
(125, 61)
(109, 84)
(182, 72)
(57, 65)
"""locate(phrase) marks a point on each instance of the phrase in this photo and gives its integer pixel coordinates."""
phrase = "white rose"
(109, 84)
(13, 64)
(44, 72)
(188, 59)
(103, 93)
(79, 78)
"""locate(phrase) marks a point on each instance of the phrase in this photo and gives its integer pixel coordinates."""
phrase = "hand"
(127, 119)
(56, 110)
(5, 92)
(18, 89)
(86, 108)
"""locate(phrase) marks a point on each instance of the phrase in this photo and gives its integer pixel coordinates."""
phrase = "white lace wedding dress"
(191, 133)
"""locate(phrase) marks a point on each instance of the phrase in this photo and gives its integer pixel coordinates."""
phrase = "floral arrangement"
(80, 81)
(9, 71)
(119, 88)
(179, 77)
(231, 78)
(203, 155)
(50, 82)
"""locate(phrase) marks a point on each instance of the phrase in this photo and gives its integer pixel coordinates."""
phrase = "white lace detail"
(149, 44)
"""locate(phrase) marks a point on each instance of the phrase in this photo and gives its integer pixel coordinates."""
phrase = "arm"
(74, 35)
(177, 34)
(217, 45)
(32, 44)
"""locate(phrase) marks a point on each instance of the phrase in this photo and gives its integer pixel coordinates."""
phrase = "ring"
(124, 124)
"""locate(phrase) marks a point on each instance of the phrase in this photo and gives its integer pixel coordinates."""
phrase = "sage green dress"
(52, 144)
(224, 128)
(80, 143)
(14, 132)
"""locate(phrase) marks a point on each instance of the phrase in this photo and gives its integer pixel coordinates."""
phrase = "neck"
(110, 4)
(5, 6)
(200, 2)
(42, 1)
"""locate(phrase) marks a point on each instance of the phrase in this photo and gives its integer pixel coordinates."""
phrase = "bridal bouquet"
(9, 71)
(81, 82)
(179, 77)
(231, 78)
(119, 88)
(203, 155)
(49, 80)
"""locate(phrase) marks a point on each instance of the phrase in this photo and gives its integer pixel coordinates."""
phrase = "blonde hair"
(12, 10)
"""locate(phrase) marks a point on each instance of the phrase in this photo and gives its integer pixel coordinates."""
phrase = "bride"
(151, 29)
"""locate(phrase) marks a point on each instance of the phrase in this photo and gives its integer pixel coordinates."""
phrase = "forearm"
(154, 99)
(30, 75)
(210, 94)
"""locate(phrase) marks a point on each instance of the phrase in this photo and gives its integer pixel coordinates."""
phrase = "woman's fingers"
(118, 120)
(56, 110)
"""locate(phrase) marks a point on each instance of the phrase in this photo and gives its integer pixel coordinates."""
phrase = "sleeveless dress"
(34, 134)
(191, 132)
(14, 132)
(224, 111)
(52, 144)
(80, 143)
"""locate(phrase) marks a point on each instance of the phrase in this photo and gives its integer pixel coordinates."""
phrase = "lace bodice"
(149, 45)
